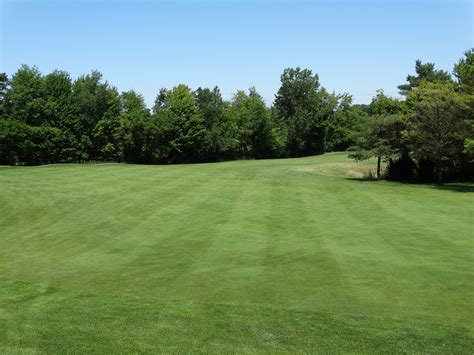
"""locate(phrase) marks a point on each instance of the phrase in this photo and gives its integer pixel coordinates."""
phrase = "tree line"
(427, 135)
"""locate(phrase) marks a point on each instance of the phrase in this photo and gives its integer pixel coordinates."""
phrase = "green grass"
(290, 255)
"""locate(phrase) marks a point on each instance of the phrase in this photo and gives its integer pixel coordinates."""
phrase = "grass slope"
(270, 256)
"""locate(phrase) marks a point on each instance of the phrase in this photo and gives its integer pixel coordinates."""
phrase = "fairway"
(290, 255)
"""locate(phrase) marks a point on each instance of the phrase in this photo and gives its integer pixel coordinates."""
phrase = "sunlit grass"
(290, 255)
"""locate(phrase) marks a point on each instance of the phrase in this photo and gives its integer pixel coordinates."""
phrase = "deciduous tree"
(436, 127)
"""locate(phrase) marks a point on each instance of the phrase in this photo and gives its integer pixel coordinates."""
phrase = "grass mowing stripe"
(282, 255)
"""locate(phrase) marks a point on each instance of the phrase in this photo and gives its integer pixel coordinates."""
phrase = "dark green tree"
(436, 128)
(220, 134)
(105, 133)
(182, 127)
(342, 123)
(382, 104)
(27, 96)
(379, 133)
(137, 134)
(378, 136)
(160, 100)
(304, 108)
(464, 73)
(13, 134)
(90, 103)
(57, 96)
(4, 96)
(424, 72)
(257, 134)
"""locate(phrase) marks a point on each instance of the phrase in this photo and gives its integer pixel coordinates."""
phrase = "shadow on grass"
(453, 186)
(461, 187)
(363, 179)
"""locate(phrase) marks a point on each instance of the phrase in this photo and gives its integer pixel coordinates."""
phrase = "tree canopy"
(425, 135)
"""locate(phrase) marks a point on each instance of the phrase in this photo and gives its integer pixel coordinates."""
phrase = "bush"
(402, 169)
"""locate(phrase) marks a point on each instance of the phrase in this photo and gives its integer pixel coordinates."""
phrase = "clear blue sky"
(354, 46)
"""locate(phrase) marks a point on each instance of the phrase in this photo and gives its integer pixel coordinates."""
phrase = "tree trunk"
(440, 175)
(378, 166)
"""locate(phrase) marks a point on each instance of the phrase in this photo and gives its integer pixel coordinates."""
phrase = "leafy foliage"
(305, 110)
(429, 135)
(53, 118)
(436, 126)
(424, 72)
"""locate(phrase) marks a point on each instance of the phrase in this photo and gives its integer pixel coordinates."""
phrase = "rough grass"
(250, 256)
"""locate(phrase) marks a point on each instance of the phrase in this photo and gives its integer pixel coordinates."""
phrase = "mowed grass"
(292, 255)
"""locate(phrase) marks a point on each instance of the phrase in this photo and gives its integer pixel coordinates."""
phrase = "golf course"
(288, 256)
